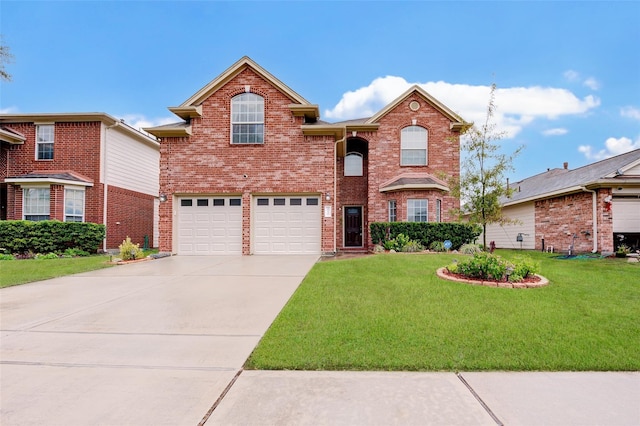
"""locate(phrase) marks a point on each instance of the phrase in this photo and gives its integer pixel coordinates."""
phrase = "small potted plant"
(622, 251)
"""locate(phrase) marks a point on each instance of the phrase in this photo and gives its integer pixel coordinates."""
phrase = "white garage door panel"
(287, 224)
(626, 215)
(209, 226)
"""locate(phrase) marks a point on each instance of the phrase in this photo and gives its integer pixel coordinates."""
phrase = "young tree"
(5, 58)
(482, 181)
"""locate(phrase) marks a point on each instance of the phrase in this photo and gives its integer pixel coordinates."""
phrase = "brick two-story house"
(251, 169)
(87, 167)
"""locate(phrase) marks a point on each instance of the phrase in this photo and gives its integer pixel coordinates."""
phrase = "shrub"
(470, 249)
(130, 251)
(75, 252)
(49, 236)
(46, 256)
(6, 257)
(412, 247)
(484, 265)
(425, 232)
(437, 246)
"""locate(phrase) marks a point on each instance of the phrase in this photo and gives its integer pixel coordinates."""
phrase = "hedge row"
(49, 236)
(426, 232)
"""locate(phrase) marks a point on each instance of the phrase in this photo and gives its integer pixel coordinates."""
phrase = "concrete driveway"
(155, 342)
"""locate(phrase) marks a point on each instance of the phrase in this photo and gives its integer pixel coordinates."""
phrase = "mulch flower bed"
(529, 282)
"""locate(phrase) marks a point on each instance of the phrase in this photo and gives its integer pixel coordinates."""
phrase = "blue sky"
(568, 73)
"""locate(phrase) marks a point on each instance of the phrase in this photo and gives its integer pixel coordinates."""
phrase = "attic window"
(247, 119)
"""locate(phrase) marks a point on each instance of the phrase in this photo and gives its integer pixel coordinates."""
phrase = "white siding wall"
(505, 235)
(131, 164)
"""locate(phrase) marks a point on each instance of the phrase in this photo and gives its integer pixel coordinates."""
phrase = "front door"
(353, 226)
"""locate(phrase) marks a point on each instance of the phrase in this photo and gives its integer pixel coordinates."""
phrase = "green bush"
(130, 251)
(46, 256)
(425, 232)
(6, 257)
(470, 249)
(49, 236)
(412, 247)
(487, 266)
(437, 246)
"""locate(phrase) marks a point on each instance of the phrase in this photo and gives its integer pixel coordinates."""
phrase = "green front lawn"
(391, 312)
(14, 272)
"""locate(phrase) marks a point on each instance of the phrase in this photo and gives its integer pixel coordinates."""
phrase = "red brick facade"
(77, 153)
(291, 161)
(568, 220)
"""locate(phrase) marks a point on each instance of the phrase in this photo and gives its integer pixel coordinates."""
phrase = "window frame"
(412, 209)
(392, 210)
(404, 140)
(438, 210)
(241, 118)
(81, 216)
(44, 150)
(27, 207)
(354, 154)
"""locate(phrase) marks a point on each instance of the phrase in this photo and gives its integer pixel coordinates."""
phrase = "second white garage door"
(287, 224)
(209, 225)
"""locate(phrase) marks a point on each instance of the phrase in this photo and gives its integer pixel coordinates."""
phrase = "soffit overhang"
(413, 182)
(11, 137)
(57, 178)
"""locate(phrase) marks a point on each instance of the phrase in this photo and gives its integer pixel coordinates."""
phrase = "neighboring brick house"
(590, 209)
(252, 170)
(86, 167)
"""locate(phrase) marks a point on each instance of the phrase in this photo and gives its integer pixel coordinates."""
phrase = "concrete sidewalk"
(384, 398)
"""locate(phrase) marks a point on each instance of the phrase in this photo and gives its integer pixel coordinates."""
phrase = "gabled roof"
(457, 123)
(190, 107)
(412, 181)
(606, 173)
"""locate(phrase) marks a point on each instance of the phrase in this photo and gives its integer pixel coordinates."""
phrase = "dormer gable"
(456, 122)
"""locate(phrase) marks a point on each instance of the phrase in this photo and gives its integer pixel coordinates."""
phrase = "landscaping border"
(543, 281)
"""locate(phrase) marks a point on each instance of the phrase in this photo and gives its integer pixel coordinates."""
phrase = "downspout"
(106, 185)
(594, 202)
(335, 188)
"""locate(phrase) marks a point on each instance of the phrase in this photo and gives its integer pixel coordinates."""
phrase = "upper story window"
(413, 146)
(35, 203)
(73, 205)
(353, 164)
(247, 119)
(438, 210)
(44, 142)
(416, 210)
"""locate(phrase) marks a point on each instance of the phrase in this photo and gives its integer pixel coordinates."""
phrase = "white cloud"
(516, 107)
(592, 83)
(630, 112)
(613, 146)
(558, 131)
(571, 75)
(9, 110)
(139, 121)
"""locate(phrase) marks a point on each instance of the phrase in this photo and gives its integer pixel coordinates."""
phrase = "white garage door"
(626, 215)
(209, 225)
(287, 224)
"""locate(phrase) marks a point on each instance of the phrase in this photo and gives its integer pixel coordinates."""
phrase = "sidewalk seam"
(477, 397)
(220, 398)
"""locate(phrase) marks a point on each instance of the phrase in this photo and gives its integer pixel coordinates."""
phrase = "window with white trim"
(73, 205)
(393, 211)
(438, 210)
(44, 141)
(417, 210)
(353, 164)
(413, 146)
(247, 119)
(35, 203)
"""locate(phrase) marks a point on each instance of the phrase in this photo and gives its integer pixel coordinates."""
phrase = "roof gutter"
(594, 202)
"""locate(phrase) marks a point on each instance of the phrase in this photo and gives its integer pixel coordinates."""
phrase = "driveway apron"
(149, 343)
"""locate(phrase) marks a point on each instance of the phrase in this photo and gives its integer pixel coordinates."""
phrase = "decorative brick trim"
(543, 281)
